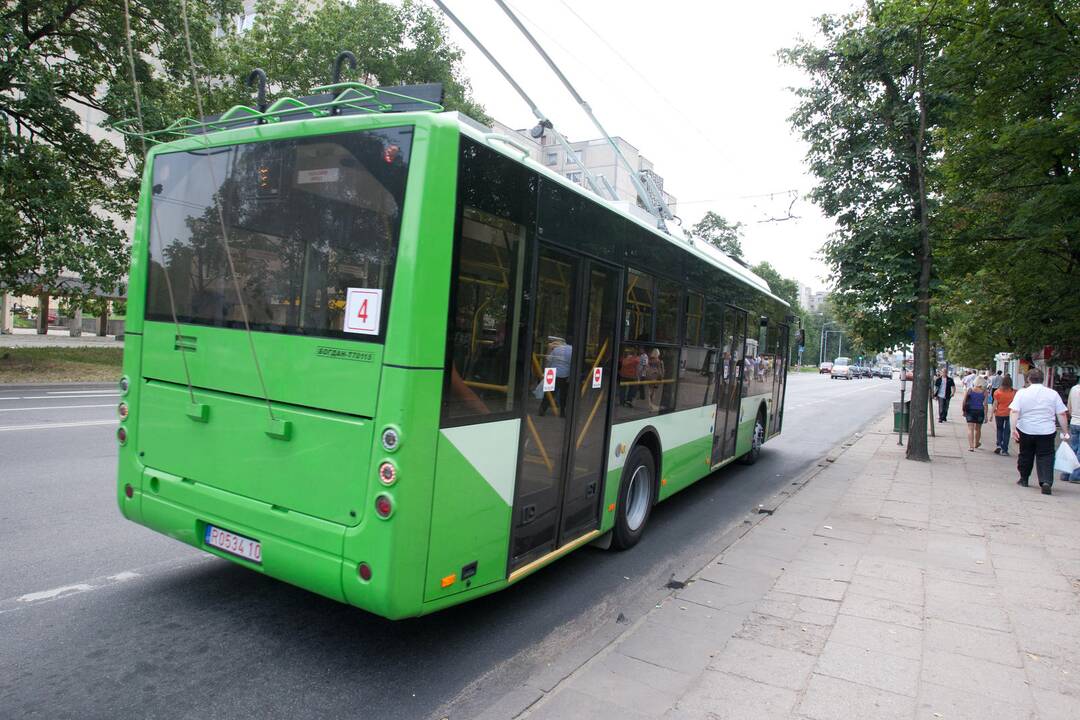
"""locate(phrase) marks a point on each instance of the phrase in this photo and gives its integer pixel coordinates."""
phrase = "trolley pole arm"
(638, 186)
(544, 120)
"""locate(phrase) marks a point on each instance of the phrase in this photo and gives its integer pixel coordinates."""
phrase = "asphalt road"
(101, 618)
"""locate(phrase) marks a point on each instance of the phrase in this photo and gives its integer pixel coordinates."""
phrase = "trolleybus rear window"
(306, 221)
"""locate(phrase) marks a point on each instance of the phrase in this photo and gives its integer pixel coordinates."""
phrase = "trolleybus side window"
(697, 367)
(496, 201)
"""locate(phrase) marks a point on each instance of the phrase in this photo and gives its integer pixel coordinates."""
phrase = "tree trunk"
(43, 314)
(920, 389)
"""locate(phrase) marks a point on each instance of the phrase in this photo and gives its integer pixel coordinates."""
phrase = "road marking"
(56, 407)
(67, 397)
(45, 596)
(47, 426)
(54, 593)
(81, 392)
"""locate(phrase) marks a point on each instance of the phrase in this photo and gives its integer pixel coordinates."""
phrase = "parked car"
(825, 368)
(884, 372)
(841, 369)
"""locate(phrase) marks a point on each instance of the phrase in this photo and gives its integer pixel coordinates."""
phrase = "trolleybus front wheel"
(635, 502)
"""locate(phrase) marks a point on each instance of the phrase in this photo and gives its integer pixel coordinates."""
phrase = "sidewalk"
(882, 589)
(57, 337)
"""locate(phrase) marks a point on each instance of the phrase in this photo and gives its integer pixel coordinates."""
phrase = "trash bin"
(901, 416)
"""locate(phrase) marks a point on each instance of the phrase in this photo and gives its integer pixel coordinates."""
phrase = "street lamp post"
(824, 335)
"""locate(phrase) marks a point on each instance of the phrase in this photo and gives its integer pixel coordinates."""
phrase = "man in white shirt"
(1073, 406)
(968, 381)
(1033, 411)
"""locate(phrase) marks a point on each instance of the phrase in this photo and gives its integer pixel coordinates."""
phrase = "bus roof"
(714, 256)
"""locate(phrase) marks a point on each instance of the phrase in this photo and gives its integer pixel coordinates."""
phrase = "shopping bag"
(1065, 460)
(538, 391)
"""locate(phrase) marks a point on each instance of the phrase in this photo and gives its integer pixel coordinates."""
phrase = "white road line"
(49, 426)
(56, 407)
(67, 397)
(80, 392)
(99, 583)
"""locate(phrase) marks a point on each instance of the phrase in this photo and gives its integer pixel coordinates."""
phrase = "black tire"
(757, 439)
(632, 512)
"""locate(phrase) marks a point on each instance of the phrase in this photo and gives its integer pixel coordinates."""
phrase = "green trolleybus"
(387, 357)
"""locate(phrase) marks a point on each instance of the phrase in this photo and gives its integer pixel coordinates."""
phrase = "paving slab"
(829, 698)
(880, 589)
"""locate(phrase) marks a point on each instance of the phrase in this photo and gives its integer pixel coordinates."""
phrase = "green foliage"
(784, 288)
(717, 231)
(1011, 189)
(67, 192)
(859, 116)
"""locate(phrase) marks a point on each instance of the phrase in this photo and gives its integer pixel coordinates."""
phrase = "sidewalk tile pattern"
(883, 589)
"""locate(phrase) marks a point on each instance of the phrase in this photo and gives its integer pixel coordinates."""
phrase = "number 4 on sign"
(362, 311)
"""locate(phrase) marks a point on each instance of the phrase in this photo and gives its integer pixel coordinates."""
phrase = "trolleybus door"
(729, 384)
(557, 494)
(779, 379)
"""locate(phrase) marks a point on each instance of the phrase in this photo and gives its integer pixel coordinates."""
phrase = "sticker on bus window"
(549, 379)
(597, 377)
(362, 311)
(322, 175)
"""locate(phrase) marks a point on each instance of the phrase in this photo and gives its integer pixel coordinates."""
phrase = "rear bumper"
(296, 548)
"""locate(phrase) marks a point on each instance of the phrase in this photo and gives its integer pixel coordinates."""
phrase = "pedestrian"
(1073, 406)
(968, 380)
(995, 382)
(1002, 397)
(974, 408)
(559, 355)
(655, 372)
(628, 375)
(1032, 413)
(944, 389)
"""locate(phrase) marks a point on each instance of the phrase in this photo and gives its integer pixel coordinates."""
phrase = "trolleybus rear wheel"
(635, 501)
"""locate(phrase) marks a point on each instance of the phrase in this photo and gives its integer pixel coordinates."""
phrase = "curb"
(67, 386)
(538, 696)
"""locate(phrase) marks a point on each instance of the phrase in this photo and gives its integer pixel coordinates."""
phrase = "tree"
(865, 114)
(1010, 177)
(784, 288)
(66, 193)
(717, 231)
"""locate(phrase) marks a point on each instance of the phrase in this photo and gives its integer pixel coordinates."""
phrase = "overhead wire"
(157, 230)
(221, 216)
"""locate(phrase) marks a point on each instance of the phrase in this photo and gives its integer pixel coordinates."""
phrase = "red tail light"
(364, 571)
(129, 491)
(383, 506)
(121, 435)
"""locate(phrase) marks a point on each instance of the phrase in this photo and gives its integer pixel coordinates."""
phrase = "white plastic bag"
(538, 391)
(1065, 460)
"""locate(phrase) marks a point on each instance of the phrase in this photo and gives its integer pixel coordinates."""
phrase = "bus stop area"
(872, 587)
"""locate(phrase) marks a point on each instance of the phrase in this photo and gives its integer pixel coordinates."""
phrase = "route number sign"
(363, 308)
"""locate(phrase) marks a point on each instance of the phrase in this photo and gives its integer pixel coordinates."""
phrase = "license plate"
(234, 544)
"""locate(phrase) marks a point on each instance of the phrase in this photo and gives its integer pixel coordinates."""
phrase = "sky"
(694, 84)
